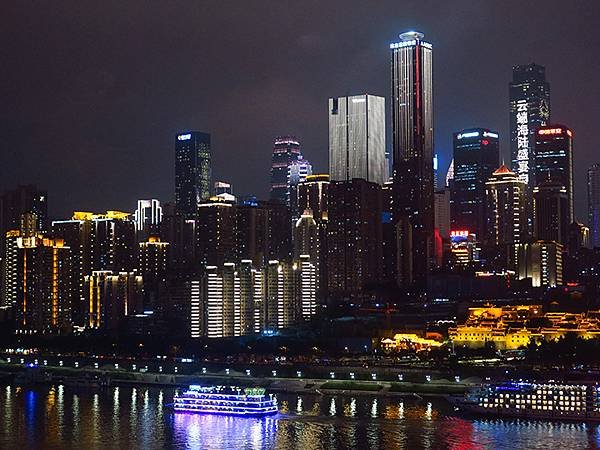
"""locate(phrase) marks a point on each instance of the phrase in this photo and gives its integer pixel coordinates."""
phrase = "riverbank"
(19, 373)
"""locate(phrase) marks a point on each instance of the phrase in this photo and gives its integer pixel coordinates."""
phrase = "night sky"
(93, 93)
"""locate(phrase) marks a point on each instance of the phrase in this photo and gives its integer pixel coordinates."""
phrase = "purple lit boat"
(225, 400)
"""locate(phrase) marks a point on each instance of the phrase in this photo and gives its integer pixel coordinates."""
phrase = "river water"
(126, 417)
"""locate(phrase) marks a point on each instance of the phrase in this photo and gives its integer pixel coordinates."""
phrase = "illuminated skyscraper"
(553, 161)
(551, 212)
(147, 217)
(354, 238)
(506, 217)
(192, 171)
(476, 156)
(412, 143)
(357, 138)
(593, 186)
(286, 149)
(529, 95)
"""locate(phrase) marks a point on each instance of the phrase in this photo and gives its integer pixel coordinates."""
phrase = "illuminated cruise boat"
(555, 401)
(225, 400)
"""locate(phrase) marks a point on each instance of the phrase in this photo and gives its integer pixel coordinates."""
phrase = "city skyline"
(112, 144)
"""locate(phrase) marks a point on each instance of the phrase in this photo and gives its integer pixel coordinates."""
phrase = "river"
(51, 417)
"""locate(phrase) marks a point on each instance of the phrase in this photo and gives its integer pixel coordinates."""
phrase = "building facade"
(593, 193)
(192, 171)
(476, 157)
(412, 144)
(553, 160)
(357, 138)
(529, 96)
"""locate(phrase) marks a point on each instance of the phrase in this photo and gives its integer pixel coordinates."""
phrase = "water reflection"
(127, 417)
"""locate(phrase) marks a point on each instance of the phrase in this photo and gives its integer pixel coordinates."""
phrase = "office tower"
(529, 96)
(450, 174)
(354, 237)
(152, 263)
(551, 212)
(216, 233)
(147, 218)
(412, 143)
(286, 149)
(506, 213)
(43, 285)
(476, 156)
(23, 199)
(357, 138)
(553, 160)
(297, 172)
(110, 297)
(593, 192)
(540, 261)
(442, 224)
(192, 171)
(313, 195)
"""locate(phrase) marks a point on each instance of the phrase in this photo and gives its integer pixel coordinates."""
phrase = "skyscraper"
(192, 171)
(529, 96)
(357, 138)
(476, 157)
(593, 187)
(412, 143)
(354, 237)
(147, 217)
(216, 233)
(286, 149)
(551, 219)
(506, 217)
(553, 161)
(298, 170)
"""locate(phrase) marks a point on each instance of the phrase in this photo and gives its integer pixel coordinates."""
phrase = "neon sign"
(551, 131)
(490, 134)
(184, 137)
(523, 141)
(459, 233)
(468, 135)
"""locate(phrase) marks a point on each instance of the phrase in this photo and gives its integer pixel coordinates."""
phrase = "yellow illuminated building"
(512, 327)
(409, 341)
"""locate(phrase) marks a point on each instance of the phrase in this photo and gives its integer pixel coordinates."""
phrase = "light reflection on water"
(127, 417)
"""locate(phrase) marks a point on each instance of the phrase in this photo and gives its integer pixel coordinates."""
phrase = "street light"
(352, 375)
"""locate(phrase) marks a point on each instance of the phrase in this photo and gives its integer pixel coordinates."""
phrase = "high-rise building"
(111, 297)
(551, 212)
(476, 156)
(43, 288)
(553, 160)
(297, 172)
(313, 195)
(540, 261)
(593, 191)
(180, 233)
(147, 217)
(97, 242)
(216, 233)
(529, 96)
(506, 213)
(306, 237)
(286, 150)
(192, 171)
(253, 231)
(354, 237)
(152, 263)
(412, 144)
(24, 199)
(357, 138)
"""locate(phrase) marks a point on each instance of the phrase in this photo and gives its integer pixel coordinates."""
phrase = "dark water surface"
(125, 417)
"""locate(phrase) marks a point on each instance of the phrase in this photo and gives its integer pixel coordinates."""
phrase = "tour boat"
(225, 400)
(553, 401)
